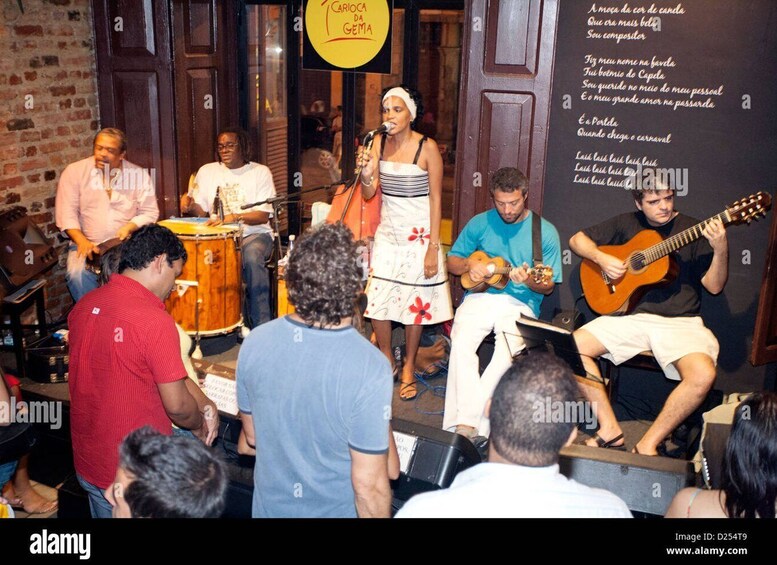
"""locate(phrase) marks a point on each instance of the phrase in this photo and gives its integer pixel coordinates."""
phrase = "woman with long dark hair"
(749, 480)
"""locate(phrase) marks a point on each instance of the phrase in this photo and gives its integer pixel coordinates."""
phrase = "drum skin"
(214, 263)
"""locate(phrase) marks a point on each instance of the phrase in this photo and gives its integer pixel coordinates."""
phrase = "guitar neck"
(506, 270)
(685, 237)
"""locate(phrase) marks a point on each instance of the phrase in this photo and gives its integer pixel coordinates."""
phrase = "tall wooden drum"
(207, 296)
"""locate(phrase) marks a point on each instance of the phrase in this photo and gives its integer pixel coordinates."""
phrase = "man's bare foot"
(639, 450)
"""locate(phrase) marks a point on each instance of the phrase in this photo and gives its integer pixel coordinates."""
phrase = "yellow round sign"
(345, 33)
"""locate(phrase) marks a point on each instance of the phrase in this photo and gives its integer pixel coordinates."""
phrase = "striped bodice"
(403, 180)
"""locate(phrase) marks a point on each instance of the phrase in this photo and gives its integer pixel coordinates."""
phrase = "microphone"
(385, 127)
(218, 208)
(272, 200)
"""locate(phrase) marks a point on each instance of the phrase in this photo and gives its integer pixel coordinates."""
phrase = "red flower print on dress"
(420, 310)
(419, 234)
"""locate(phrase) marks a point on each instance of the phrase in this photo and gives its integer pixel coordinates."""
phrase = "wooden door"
(504, 109)
(205, 46)
(136, 86)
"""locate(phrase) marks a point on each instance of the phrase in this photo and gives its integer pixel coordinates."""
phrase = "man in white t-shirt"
(238, 182)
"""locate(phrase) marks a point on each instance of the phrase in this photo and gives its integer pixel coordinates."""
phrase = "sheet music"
(406, 445)
(223, 392)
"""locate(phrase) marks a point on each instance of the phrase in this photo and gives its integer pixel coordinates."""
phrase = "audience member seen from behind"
(749, 477)
(163, 476)
(521, 478)
(315, 395)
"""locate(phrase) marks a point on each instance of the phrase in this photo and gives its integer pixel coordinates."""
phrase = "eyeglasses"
(229, 146)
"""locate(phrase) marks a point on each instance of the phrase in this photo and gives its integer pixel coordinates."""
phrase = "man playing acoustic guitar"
(503, 232)
(665, 320)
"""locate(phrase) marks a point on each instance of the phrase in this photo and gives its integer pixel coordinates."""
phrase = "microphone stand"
(277, 204)
(368, 140)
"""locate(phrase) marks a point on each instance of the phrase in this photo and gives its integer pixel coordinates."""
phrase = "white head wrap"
(400, 92)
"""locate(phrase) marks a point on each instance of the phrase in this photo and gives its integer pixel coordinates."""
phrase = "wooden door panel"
(504, 110)
(133, 33)
(136, 86)
(511, 38)
(204, 50)
(506, 140)
(136, 99)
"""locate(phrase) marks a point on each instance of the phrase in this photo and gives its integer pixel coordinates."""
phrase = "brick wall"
(48, 111)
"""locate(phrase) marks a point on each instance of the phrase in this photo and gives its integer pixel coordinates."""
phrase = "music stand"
(554, 339)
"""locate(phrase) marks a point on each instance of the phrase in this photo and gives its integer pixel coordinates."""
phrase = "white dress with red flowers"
(397, 288)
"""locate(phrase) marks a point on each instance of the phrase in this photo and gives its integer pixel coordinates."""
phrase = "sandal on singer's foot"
(408, 391)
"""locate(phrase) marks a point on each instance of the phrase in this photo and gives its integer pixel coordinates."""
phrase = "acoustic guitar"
(500, 273)
(648, 260)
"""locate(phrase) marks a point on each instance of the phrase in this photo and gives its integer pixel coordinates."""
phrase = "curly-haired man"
(315, 396)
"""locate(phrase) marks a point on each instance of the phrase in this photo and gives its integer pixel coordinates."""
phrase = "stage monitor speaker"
(429, 458)
(646, 484)
(25, 251)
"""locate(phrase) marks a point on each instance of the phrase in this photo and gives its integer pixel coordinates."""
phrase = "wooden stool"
(611, 372)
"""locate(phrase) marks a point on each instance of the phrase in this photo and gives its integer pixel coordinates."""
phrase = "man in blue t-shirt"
(504, 231)
(315, 396)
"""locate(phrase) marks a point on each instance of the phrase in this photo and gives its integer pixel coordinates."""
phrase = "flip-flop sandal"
(601, 442)
(407, 386)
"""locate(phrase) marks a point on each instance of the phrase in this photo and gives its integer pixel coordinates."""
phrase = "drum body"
(207, 296)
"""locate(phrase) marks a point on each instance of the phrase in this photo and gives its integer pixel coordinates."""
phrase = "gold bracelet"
(437, 245)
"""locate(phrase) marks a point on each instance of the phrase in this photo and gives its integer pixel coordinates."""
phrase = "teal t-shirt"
(487, 232)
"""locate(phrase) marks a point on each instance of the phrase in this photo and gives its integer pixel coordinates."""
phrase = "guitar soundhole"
(638, 262)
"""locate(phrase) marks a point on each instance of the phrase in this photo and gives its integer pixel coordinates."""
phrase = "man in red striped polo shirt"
(125, 364)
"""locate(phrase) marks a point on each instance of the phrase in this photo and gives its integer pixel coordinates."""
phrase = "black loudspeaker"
(48, 360)
(429, 458)
(646, 484)
(25, 251)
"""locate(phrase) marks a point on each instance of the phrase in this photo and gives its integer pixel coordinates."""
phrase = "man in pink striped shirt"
(99, 198)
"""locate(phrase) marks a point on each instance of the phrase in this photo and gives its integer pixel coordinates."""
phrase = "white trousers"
(467, 391)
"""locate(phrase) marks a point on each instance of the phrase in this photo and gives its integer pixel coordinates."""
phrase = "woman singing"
(408, 282)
